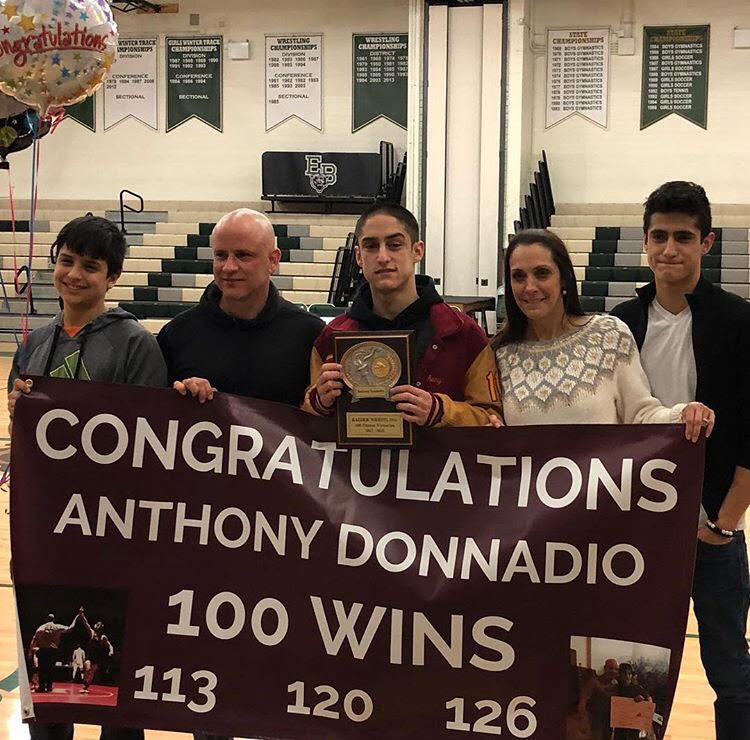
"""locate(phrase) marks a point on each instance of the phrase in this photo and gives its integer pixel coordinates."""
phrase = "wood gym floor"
(692, 717)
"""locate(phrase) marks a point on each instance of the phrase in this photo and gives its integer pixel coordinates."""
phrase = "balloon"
(55, 52)
(18, 132)
(10, 106)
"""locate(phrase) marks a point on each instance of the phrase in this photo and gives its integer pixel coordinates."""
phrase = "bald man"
(242, 337)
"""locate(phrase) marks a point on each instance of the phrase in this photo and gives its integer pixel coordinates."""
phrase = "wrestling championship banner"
(294, 79)
(224, 567)
(379, 78)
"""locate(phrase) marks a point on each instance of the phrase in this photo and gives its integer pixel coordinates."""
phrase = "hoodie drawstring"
(79, 361)
(48, 365)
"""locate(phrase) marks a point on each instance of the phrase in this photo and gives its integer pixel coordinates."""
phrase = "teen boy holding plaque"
(455, 378)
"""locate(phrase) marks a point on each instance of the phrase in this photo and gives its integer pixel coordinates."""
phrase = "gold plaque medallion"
(370, 369)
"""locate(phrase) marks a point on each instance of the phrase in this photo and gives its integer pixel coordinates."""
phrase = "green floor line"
(9, 683)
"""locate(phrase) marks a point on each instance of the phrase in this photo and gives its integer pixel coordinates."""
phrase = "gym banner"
(675, 73)
(379, 78)
(225, 567)
(577, 75)
(131, 88)
(83, 112)
(294, 79)
(194, 80)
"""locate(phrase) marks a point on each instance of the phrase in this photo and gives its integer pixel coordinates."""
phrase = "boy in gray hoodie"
(86, 341)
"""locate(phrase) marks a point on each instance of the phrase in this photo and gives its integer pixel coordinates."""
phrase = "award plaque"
(372, 363)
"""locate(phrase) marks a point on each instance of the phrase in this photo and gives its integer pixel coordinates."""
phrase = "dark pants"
(47, 658)
(721, 594)
(62, 731)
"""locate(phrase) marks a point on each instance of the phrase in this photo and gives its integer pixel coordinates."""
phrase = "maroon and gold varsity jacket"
(458, 368)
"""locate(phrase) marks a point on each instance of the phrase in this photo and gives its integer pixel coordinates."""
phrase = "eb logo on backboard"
(322, 174)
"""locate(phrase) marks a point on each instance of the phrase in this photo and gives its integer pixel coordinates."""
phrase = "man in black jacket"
(242, 337)
(694, 340)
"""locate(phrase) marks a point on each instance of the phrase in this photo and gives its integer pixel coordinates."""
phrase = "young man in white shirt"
(694, 339)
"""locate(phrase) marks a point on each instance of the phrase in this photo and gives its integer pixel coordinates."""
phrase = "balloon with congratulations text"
(55, 52)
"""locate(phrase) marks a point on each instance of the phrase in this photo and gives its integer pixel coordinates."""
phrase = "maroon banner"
(224, 567)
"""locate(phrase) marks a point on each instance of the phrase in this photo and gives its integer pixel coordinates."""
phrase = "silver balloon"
(10, 106)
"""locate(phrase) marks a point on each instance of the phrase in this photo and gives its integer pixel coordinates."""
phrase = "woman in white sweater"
(560, 366)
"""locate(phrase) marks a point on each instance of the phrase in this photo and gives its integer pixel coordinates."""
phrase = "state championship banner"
(131, 88)
(675, 73)
(224, 567)
(577, 75)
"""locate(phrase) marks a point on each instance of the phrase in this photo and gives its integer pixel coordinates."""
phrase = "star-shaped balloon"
(51, 62)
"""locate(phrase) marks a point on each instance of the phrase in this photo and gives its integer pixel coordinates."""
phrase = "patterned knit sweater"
(592, 375)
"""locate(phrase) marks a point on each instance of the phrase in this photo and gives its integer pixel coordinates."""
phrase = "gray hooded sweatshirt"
(113, 348)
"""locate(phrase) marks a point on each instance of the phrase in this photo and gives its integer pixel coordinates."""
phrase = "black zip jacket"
(721, 344)
(267, 357)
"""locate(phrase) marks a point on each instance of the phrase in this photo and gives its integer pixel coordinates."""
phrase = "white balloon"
(55, 52)
(10, 106)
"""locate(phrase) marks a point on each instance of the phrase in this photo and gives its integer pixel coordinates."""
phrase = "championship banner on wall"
(194, 80)
(379, 78)
(675, 73)
(294, 79)
(83, 112)
(577, 75)
(131, 88)
(225, 567)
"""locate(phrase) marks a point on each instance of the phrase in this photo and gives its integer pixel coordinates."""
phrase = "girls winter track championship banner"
(224, 567)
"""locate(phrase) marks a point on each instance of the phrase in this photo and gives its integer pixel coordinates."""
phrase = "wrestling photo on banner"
(72, 640)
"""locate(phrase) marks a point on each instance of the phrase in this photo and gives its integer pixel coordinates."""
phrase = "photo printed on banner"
(577, 75)
(131, 88)
(73, 643)
(294, 79)
(618, 689)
